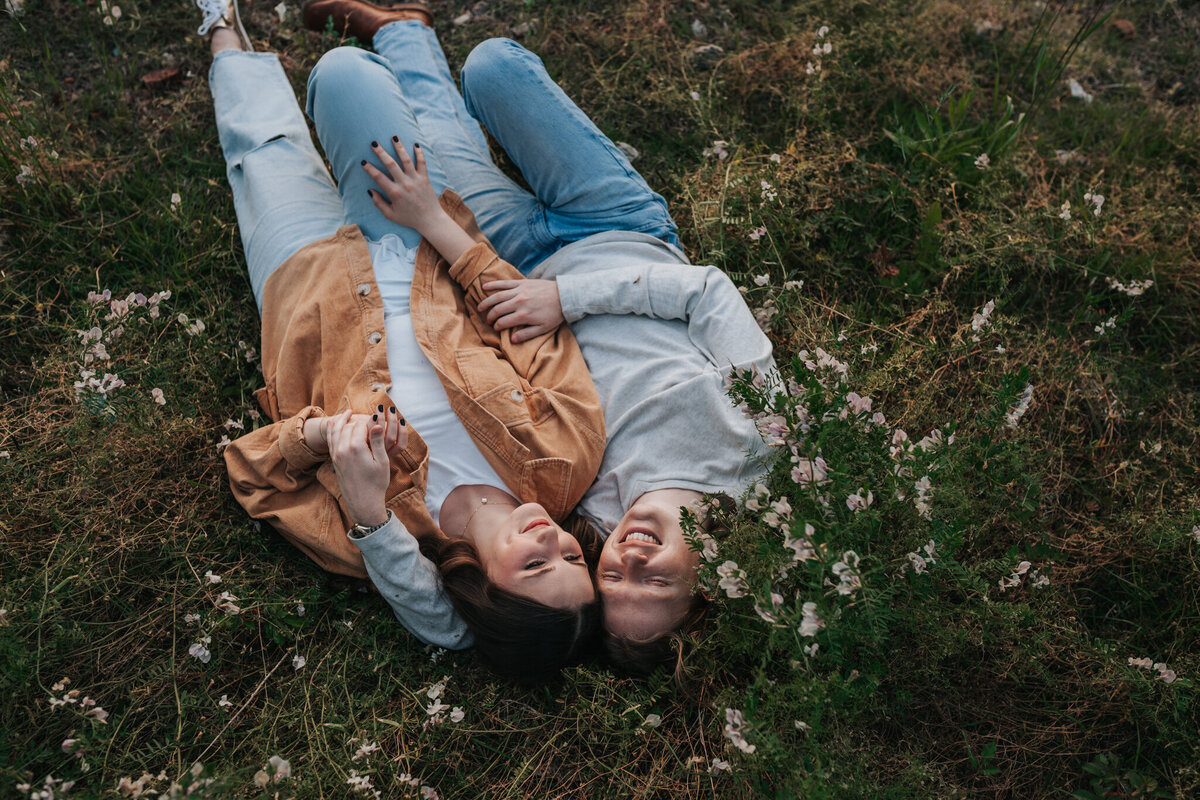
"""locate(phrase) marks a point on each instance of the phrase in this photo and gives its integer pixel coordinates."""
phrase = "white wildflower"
(733, 579)
(200, 652)
(1132, 289)
(1014, 415)
(1077, 91)
(226, 602)
(801, 547)
(808, 472)
(364, 751)
(857, 502)
(1095, 200)
(810, 623)
(735, 727)
(980, 319)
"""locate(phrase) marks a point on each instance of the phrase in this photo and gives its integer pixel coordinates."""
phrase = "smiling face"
(647, 570)
(525, 553)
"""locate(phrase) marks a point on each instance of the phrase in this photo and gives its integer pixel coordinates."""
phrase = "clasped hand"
(531, 306)
(361, 448)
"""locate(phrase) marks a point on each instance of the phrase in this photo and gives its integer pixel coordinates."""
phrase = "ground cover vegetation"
(970, 229)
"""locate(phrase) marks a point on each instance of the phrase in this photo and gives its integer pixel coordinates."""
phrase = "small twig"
(234, 717)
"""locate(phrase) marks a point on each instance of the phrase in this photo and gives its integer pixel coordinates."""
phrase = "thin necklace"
(483, 502)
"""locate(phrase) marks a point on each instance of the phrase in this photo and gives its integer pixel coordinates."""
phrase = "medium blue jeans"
(285, 198)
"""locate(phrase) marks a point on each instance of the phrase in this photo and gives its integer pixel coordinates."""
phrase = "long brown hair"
(519, 639)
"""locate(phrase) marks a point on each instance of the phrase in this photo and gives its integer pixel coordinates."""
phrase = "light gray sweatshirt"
(660, 336)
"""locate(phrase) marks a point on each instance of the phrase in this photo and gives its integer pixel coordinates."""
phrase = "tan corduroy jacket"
(530, 407)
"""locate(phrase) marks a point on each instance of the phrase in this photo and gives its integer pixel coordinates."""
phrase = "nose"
(631, 556)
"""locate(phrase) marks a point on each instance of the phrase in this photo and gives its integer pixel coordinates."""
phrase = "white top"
(409, 582)
(454, 459)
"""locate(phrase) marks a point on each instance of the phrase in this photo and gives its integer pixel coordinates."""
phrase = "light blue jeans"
(285, 198)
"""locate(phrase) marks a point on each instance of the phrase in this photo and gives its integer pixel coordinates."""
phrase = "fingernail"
(395, 138)
(392, 409)
(418, 146)
(369, 193)
(374, 418)
(374, 144)
(381, 408)
(362, 163)
(402, 422)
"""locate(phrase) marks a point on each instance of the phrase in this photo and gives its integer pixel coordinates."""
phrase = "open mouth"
(641, 536)
(537, 523)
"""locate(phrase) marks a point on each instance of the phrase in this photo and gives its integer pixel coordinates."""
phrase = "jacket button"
(364, 289)
(517, 396)
(374, 337)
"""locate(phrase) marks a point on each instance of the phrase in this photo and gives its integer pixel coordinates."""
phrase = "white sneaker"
(222, 14)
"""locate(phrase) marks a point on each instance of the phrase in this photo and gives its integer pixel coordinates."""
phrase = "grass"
(925, 684)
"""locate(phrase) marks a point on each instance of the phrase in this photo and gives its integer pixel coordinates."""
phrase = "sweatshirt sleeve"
(719, 322)
(412, 586)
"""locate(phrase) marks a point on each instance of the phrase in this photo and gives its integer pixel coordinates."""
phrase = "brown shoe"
(361, 19)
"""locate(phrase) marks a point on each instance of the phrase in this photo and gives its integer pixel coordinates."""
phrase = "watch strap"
(359, 531)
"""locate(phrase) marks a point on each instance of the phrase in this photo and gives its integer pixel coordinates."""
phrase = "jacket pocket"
(494, 385)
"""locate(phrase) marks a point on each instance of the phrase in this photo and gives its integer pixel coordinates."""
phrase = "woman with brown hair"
(445, 441)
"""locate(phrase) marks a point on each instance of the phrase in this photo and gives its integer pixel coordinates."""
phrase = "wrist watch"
(359, 531)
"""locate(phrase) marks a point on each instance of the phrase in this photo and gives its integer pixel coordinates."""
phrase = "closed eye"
(537, 562)
(572, 558)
